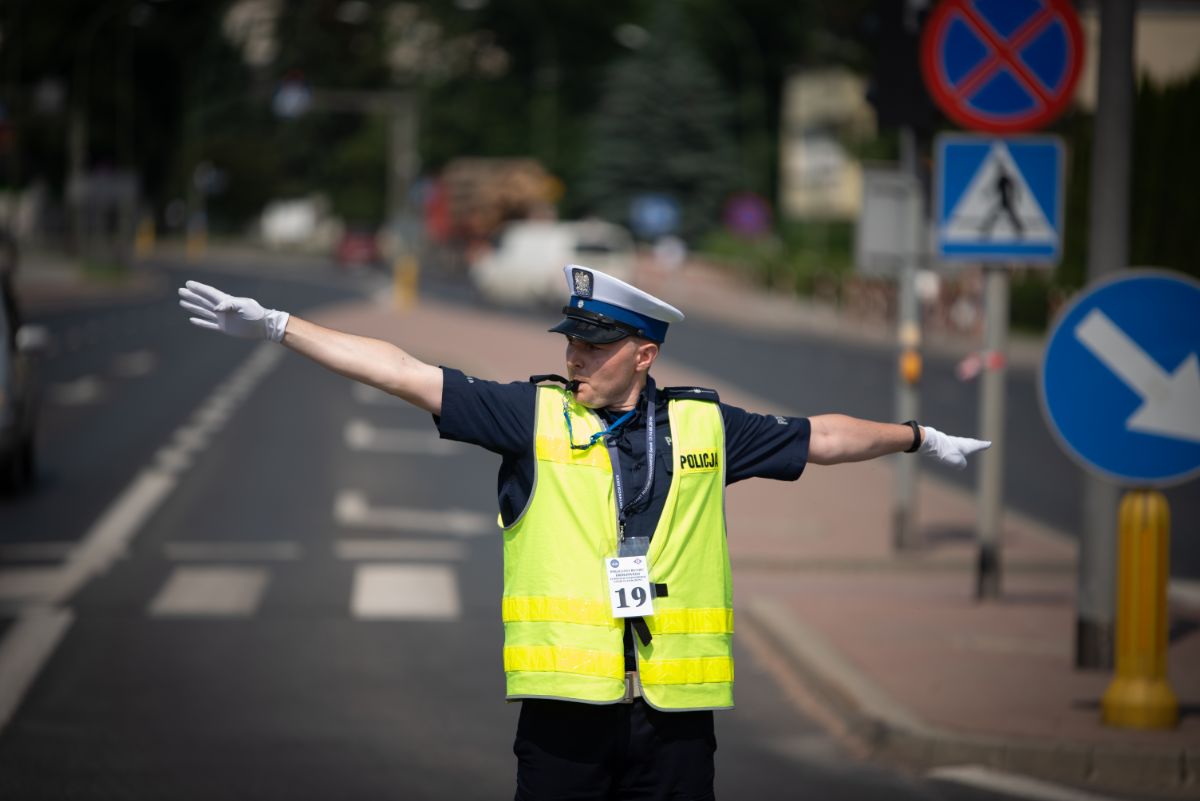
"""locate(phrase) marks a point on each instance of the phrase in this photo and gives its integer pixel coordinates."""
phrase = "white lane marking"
(25, 585)
(105, 541)
(110, 535)
(362, 436)
(49, 551)
(1011, 784)
(183, 551)
(135, 364)
(351, 509)
(80, 392)
(28, 644)
(214, 414)
(384, 550)
(374, 397)
(210, 592)
(1185, 592)
(405, 592)
(191, 437)
(173, 460)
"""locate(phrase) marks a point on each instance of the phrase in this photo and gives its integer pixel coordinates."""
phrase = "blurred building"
(823, 111)
(1166, 44)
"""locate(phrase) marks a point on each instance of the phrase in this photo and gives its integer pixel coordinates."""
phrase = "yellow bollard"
(143, 243)
(1139, 696)
(196, 244)
(910, 366)
(405, 273)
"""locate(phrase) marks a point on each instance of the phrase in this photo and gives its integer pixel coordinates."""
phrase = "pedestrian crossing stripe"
(990, 212)
(998, 199)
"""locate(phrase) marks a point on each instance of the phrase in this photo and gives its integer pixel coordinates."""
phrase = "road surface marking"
(210, 592)
(135, 364)
(352, 510)
(28, 644)
(1011, 784)
(80, 392)
(108, 537)
(384, 550)
(23, 585)
(173, 460)
(362, 436)
(405, 592)
(1185, 592)
(182, 551)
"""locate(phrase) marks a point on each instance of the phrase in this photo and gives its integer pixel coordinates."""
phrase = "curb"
(891, 732)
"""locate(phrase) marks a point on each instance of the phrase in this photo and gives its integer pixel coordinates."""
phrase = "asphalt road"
(259, 637)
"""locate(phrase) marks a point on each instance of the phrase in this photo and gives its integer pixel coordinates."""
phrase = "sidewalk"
(49, 281)
(911, 667)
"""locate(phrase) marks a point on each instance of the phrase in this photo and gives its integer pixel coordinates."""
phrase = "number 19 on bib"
(629, 586)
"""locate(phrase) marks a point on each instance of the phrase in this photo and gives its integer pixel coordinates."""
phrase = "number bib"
(629, 586)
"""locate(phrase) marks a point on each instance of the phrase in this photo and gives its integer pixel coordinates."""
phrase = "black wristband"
(916, 435)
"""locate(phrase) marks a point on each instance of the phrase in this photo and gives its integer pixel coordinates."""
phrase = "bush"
(801, 257)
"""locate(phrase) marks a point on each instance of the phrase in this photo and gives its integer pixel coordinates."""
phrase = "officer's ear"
(645, 355)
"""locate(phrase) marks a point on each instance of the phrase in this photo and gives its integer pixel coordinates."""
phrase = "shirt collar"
(639, 410)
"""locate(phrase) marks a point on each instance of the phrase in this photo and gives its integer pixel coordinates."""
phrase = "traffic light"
(896, 89)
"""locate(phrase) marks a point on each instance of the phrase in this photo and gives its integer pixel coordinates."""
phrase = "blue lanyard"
(612, 429)
(615, 456)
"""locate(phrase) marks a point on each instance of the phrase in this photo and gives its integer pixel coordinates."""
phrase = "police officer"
(617, 604)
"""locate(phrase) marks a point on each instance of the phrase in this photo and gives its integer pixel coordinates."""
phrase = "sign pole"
(991, 425)
(905, 535)
(1108, 251)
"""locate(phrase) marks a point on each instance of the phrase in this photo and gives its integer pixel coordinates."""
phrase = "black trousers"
(578, 752)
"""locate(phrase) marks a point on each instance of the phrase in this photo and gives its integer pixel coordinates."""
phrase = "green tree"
(663, 126)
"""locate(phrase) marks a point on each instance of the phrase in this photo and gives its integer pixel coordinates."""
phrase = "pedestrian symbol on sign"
(998, 199)
(998, 206)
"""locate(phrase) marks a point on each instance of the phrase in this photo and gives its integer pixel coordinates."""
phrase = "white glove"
(948, 449)
(238, 317)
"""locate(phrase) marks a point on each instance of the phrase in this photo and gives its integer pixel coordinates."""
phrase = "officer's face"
(609, 375)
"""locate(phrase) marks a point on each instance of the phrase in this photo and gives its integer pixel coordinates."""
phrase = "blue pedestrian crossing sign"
(998, 199)
(1120, 382)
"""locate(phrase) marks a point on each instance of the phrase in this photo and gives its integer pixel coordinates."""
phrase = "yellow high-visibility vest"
(560, 637)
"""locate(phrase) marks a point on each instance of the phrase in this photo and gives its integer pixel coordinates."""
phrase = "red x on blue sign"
(1002, 66)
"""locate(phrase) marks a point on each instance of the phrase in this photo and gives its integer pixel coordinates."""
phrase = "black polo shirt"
(500, 418)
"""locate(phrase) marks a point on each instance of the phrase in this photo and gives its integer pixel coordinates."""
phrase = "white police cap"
(604, 309)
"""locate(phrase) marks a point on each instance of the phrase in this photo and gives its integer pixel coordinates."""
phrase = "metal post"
(905, 534)
(402, 171)
(991, 424)
(1108, 251)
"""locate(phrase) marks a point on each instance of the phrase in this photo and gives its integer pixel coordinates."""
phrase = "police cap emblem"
(582, 281)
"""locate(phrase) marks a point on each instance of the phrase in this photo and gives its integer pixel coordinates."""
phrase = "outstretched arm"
(837, 438)
(371, 361)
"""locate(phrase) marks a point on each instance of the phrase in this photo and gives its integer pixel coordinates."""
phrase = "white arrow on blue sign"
(1120, 382)
(998, 199)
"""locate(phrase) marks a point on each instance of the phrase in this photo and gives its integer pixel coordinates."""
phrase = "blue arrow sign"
(998, 199)
(1120, 383)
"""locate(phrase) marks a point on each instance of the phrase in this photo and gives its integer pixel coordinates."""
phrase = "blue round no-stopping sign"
(1002, 66)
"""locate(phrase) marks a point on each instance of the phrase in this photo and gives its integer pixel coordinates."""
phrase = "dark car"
(18, 393)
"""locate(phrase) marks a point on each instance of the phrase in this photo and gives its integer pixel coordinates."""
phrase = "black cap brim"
(588, 331)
